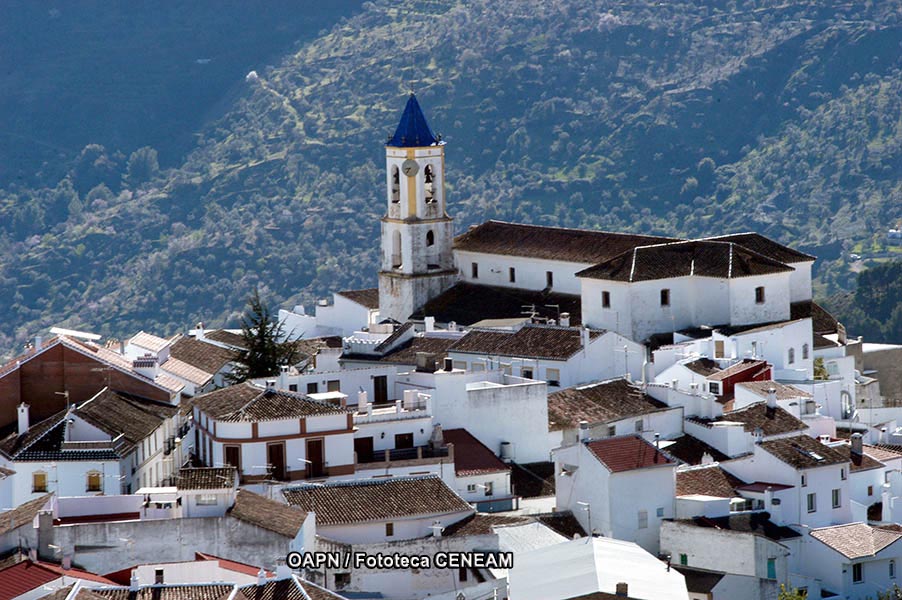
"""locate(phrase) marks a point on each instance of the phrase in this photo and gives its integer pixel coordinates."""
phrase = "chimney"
(271, 383)
(199, 331)
(38, 342)
(448, 364)
(772, 397)
(261, 577)
(24, 421)
(362, 401)
(429, 322)
(584, 336)
(887, 513)
(882, 435)
(565, 319)
(437, 529)
(583, 430)
(675, 384)
(134, 584)
(622, 589)
(857, 444)
(67, 562)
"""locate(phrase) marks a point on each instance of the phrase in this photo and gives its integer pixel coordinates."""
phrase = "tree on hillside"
(142, 167)
(264, 352)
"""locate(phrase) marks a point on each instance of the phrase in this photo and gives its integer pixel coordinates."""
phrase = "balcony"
(406, 456)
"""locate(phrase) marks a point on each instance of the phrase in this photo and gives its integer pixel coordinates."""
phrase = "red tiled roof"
(472, 457)
(231, 565)
(27, 575)
(626, 453)
(709, 480)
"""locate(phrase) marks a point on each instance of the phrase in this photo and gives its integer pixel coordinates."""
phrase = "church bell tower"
(417, 233)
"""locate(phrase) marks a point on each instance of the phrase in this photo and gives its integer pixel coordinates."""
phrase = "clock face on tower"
(410, 167)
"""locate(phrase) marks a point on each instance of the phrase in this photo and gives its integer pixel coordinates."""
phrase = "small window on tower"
(759, 295)
(665, 297)
(395, 184)
(429, 176)
(513, 275)
(606, 299)
(549, 279)
(474, 270)
(430, 238)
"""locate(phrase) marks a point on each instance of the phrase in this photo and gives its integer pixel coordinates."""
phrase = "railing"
(399, 454)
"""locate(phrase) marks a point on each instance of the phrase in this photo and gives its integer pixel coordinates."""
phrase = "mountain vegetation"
(874, 309)
(683, 118)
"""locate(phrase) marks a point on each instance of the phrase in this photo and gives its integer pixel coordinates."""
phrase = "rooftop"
(224, 336)
(706, 480)
(784, 392)
(856, 540)
(599, 403)
(248, 402)
(530, 341)
(472, 457)
(207, 357)
(413, 131)
(627, 453)
(207, 478)
(758, 523)
(469, 303)
(701, 258)
(23, 514)
(267, 514)
(771, 421)
(149, 341)
(26, 576)
(368, 297)
(803, 452)
(343, 502)
(691, 450)
(859, 462)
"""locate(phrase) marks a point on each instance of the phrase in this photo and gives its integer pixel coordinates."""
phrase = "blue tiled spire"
(413, 130)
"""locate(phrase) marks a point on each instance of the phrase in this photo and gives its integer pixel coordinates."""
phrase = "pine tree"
(264, 351)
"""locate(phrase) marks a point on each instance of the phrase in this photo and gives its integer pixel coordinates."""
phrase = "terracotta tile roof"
(368, 297)
(180, 369)
(784, 392)
(206, 478)
(707, 480)
(757, 523)
(116, 360)
(148, 341)
(337, 503)
(267, 514)
(248, 402)
(765, 246)
(468, 303)
(702, 366)
(116, 413)
(530, 341)
(286, 589)
(822, 321)
(627, 452)
(472, 457)
(23, 577)
(186, 591)
(882, 453)
(231, 565)
(482, 524)
(860, 462)
(23, 514)
(740, 367)
(207, 357)
(599, 403)
(552, 243)
(856, 540)
(722, 260)
(224, 336)
(772, 421)
(691, 450)
(803, 452)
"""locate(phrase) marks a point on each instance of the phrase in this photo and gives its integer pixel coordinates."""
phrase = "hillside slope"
(672, 118)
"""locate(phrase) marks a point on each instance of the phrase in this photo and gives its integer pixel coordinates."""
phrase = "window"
(93, 482)
(791, 356)
(474, 270)
(459, 364)
(429, 179)
(489, 488)
(553, 377)
(233, 456)
(857, 574)
(804, 351)
(471, 488)
(389, 529)
(396, 249)
(206, 500)
(342, 580)
(477, 367)
(639, 426)
(462, 574)
(395, 185)
(870, 490)
(312, 388)
(549, 279)
(292, 387)
(430, 238)
(512, 275)
(684, 559)
(842, 473)
(892, 569)
(714, 388)
(158, 577)
(804, 480)
(606, 299)
(759, 294)
(812, 502)
(660, 512)
(39, 482)
(526, 372)
(333, 385)
(612, 431)
(643, 519)
(837, 498)
(665, 297)
(771, 568)
(718, 349)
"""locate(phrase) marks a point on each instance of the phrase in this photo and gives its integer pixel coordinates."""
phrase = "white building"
(621, 487)
(349, 311)
(207, 491)
(594, 567)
